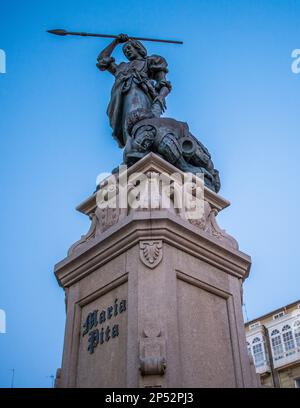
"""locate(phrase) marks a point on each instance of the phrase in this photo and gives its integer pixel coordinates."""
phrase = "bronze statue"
(139, 84)
(138, 99)
(137, 103)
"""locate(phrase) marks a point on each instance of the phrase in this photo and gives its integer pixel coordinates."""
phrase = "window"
(276, 345)
(288, 340)
(258, 353)
(297, 383)
(297, 333)
(278, 315)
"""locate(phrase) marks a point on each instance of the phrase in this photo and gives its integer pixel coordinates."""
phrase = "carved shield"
(151, 252)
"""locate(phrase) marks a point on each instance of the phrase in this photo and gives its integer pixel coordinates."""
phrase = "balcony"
(262, 368)
(286, 358)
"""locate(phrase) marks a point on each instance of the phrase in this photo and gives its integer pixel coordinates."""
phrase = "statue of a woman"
(136, 104)
(140, 84)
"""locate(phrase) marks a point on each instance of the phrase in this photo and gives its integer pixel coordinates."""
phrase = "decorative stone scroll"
(152, 351)
(208, 224)
(85, 239)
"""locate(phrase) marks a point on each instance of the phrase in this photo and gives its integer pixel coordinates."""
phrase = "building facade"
(273, 341)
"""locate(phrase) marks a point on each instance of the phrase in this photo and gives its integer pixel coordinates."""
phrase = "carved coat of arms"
(151, 252)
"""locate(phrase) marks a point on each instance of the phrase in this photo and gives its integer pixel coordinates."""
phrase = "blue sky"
(232, 83)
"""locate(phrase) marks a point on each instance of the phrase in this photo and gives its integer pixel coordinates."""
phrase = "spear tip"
(58, 31)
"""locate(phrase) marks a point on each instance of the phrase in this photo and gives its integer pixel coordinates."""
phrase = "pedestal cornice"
(144, 225)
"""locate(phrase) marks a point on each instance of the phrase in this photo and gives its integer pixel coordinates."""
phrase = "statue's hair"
(138, 46)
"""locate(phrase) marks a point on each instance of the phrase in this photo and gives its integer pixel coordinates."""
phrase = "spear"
(59, 31)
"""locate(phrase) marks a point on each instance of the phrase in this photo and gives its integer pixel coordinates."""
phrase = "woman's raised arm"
(104, 60)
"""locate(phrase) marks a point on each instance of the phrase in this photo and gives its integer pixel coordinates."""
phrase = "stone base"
(154, 300)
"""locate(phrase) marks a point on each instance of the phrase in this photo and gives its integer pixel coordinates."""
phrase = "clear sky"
(233, 84)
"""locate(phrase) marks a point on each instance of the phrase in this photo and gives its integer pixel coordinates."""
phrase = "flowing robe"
(137, 83)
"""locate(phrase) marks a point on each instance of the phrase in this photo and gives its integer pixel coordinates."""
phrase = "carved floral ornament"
(151, 252)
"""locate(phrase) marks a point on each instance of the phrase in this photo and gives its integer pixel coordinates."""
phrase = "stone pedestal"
(154, 300)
